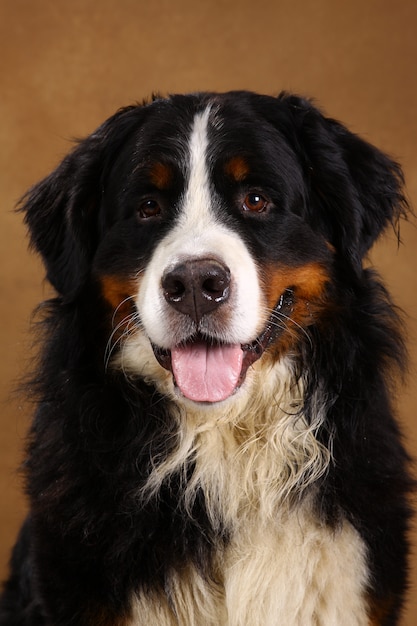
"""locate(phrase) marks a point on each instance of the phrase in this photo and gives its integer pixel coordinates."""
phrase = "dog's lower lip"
(253, 350)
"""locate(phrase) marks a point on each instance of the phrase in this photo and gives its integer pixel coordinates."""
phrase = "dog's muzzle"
(204, 368)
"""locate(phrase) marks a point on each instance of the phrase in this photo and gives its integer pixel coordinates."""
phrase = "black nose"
(197, 287)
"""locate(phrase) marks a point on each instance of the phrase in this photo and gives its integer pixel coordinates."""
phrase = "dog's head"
(213, 225)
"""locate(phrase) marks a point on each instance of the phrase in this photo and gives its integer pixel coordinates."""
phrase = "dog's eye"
(149, 208)
(254, 202)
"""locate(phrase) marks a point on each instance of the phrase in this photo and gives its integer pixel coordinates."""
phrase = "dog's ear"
(355, 190)
(61, 210)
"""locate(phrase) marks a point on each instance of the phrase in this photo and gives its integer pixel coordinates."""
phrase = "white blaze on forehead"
(199, 233)
(197, 196)
(194, 231)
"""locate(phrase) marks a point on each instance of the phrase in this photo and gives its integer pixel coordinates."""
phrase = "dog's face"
(223, 266)
(213, 225)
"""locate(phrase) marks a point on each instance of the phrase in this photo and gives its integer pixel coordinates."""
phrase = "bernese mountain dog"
(214, 442)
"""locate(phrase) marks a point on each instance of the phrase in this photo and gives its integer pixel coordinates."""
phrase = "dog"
(214, 442)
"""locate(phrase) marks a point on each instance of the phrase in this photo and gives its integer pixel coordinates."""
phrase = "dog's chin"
(208, 371)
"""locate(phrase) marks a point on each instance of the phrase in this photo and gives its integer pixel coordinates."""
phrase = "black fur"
(89, 541)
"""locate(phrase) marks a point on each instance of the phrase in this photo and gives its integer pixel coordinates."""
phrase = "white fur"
(293, 573)
(253, 448)
(282, 566)
(198, 234)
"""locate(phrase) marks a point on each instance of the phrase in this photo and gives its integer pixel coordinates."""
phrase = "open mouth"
(206, 370)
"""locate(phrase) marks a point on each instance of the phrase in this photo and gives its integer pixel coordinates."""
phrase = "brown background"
(65, 65)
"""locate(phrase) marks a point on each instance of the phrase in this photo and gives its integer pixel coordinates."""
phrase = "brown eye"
(149, 208)
(255, 203)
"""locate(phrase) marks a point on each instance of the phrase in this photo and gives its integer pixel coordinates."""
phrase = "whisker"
(118, 307)
(128, 321)
(124, 322)
(284, 326)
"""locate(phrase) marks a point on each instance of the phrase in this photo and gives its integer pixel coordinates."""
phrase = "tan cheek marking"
(118, 293)
(237, 168)
(308, 284)
(161, 175)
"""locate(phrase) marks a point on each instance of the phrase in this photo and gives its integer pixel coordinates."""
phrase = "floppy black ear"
(355, 190)
(61, 210)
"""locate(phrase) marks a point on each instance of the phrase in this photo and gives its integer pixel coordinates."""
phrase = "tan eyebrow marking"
(237, 167)
(161, 175)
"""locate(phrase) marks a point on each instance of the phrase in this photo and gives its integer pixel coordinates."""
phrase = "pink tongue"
(207, 373)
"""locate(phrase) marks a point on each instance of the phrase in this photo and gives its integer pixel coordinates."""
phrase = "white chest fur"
(296, 574)
(282, 567)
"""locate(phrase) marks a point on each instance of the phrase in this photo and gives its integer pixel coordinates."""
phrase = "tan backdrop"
(66, 65)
